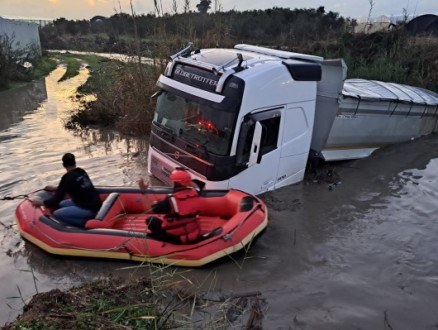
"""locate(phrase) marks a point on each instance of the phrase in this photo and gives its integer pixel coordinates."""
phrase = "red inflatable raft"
(228, 221)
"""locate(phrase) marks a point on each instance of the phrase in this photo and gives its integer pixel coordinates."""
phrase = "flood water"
(361, 254)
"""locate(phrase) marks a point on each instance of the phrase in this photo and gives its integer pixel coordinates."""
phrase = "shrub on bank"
(21, 65)
(11, 63)
(391, 56)
(122, 96)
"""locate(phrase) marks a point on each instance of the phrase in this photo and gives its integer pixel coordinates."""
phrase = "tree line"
(275, 26)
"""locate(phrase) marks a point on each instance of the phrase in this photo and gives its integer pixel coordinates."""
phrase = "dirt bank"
(138, 304)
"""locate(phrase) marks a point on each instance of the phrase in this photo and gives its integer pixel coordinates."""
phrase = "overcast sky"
(85, 9)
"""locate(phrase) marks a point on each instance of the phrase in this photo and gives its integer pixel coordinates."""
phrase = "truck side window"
(270, 122)
(271, 127)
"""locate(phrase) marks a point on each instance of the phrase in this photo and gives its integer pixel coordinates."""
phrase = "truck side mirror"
(244, 142)
(255, 146)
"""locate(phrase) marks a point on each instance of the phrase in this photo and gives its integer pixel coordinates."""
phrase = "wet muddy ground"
(356, 250)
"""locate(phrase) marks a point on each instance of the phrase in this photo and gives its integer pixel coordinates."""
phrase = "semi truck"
(249, 117)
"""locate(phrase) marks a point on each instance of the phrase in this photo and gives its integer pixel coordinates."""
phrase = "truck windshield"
(195, 122)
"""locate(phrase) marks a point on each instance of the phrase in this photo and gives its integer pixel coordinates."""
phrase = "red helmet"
(180, 177)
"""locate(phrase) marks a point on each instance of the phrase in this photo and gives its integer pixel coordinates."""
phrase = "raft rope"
(11, 198)
(22, 196)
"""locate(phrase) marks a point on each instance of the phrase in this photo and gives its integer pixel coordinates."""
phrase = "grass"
(73, 66)
(96, 64)
(43, 66)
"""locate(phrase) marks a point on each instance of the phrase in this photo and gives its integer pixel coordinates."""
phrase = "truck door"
(258, 152)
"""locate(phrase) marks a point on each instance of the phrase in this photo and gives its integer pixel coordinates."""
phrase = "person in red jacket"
(176, 221)
(83, 200)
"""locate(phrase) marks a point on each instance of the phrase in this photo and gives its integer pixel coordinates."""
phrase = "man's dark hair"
(68, 160)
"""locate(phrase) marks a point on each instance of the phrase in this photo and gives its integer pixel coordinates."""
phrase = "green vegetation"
(152, 33)
(73, 63)
(122, 93)
(42, 66)
(392, 56)
(73, 66)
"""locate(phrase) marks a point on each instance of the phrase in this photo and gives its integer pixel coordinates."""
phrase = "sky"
(86, 9)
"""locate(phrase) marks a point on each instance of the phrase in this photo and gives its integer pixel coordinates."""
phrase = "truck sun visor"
(304, 71)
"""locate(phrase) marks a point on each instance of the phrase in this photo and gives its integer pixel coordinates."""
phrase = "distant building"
(380, 23)
(40, 21)
(98, 19)
(23, 35)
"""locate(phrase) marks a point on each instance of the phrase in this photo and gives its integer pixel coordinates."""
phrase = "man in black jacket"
(83, 202)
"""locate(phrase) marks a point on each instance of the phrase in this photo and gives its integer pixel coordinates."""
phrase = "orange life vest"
(183, 202)
(182, 221)
(187, 229)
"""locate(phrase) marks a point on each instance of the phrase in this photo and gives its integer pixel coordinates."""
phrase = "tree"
(203, 6)
(372, 3)
(186, 6)
(158, 8)
(320, 11)
(174, 7)
(217, 6)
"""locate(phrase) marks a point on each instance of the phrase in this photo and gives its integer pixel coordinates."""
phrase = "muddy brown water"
(361, 254)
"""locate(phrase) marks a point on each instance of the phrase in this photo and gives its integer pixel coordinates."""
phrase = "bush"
(14, 63)
(121, 97)
(9, 68)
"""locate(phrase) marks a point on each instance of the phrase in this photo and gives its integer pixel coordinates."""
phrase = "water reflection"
(111, 56)
(110, 140)
(15, 103)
